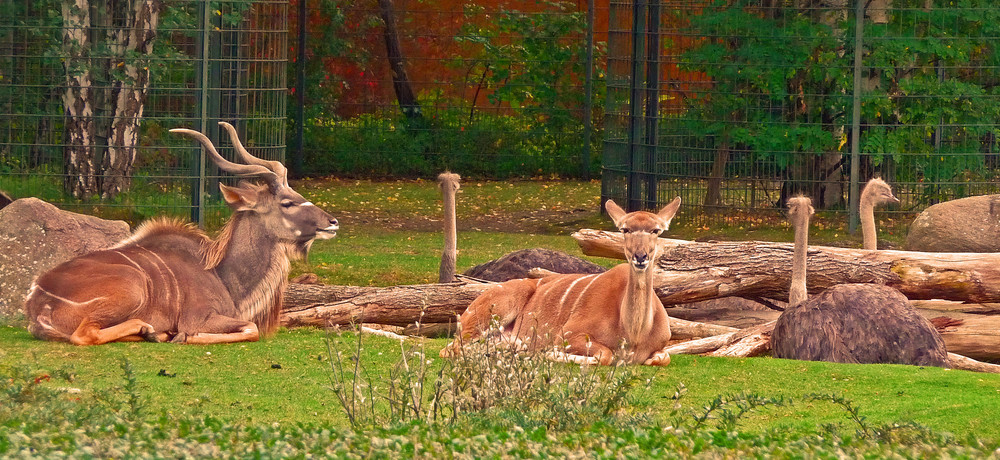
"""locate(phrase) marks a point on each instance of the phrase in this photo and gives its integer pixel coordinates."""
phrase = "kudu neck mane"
(236, 255)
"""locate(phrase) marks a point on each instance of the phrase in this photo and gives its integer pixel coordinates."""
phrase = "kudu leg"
(660, 358)
(91, 333)
(580, 346)
(221, 329)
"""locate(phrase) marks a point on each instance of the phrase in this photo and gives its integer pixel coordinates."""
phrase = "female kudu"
(586, 318)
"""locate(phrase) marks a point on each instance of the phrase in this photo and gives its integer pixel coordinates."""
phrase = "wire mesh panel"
(495, 88)
(89, 90)
(738, 105)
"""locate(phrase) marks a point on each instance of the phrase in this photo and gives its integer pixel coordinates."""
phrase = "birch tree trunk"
(126, 29)
(131, 40)
(78, 155)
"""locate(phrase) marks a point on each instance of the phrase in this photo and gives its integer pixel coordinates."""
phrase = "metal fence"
(89, 90)
(486, 88)
(732, 104)
(404, 88)
(736, 105)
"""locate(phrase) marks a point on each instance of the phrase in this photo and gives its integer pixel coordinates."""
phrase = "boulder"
(36, 236)
(516, 264)
(964, 225)
(858, 323)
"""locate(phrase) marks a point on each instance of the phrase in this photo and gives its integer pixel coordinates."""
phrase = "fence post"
(300, 96)
(198, 188)
(633, 188)
(652, 113)
(859, 23)
(588, 109)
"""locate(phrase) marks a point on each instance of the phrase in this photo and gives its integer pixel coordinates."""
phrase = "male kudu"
(171, 281)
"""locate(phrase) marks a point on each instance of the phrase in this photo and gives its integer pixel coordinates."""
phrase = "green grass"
(413, 257)
(229, 396)
(286, 379)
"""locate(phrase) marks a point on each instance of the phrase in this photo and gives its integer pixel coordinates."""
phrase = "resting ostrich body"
(586, 318)
(448, 183)
(850, 323)
(876, 192)
(518, 264)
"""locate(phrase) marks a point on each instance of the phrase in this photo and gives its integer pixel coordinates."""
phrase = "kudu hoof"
(148, 334)
(181, 337)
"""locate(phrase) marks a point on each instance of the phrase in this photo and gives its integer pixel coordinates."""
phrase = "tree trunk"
(78, 155)
(317, 305)
(691, 271)
(714, 191)
(126, 30)
(131, 35)
(400, 81)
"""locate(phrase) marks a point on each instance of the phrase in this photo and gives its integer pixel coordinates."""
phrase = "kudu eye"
(287, 203)
(625, 230)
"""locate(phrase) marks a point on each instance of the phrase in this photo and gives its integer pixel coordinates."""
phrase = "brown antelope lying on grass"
(584, 318)
(169, 281)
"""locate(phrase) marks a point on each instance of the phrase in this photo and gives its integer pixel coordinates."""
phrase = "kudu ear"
(669, 211)
(615, 211)
(239, 198)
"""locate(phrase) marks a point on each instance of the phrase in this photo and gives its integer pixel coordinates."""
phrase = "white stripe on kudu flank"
(129, 259)
(68, 301)
(583, 292)
(570, 288)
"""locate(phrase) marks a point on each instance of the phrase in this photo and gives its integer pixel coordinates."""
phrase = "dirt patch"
(542, 221)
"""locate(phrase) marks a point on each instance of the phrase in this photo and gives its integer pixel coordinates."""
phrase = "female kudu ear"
(669, 211)
(615, 211)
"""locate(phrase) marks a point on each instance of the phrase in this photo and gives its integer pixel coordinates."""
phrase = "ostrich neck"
(448, 257)
(450, 232)
(797, 291)
(867, 211)
(637, 309)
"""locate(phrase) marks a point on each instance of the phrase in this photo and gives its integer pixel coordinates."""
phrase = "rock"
(516, 264)
(36, 236)
(858, 323)
(964, 225)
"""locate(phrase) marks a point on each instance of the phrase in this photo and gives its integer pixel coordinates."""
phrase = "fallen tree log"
(327, 305)
(689, 271)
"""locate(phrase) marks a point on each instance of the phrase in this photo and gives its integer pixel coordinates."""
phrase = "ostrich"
(850, 323)
(448, 183)
(518, 264)
(876, 192)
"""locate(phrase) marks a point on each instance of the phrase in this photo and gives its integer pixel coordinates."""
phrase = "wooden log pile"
(693, 271)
